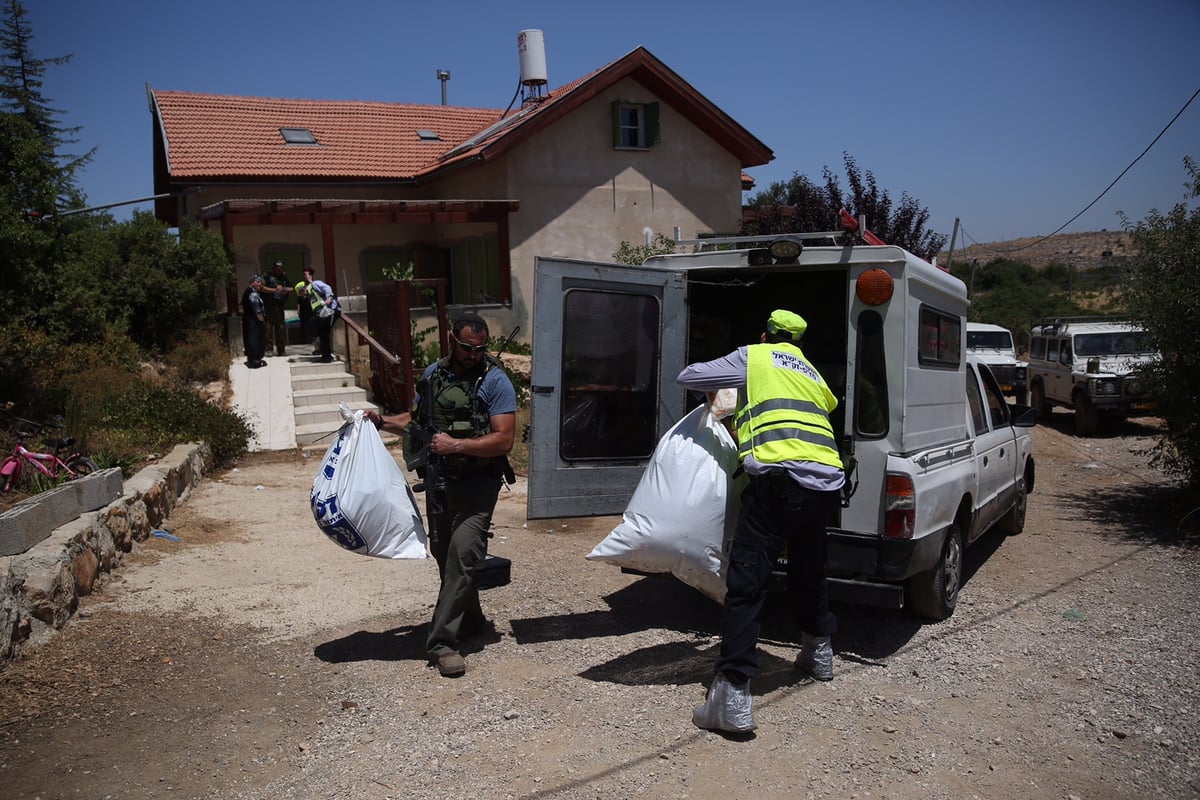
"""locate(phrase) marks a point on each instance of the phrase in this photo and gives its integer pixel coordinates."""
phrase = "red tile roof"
(210, 136)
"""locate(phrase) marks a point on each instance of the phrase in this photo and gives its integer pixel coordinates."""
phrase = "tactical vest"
(784, 418)
(459, 411)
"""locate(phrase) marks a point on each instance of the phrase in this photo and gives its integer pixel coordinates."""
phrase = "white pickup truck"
(935, 456)
(994, 346)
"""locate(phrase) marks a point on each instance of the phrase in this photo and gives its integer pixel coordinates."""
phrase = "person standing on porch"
(276, 289)
(328, 310)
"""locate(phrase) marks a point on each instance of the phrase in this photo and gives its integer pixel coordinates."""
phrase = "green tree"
(166, 282)
(21, 80)
(1162, 295)
(799, 205)
(85, 299)
(28, 180)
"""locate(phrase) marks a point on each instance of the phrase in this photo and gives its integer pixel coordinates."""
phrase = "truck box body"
(609, 340)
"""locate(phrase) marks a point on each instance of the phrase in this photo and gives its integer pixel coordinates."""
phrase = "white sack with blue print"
(682, 514)
(360, 498)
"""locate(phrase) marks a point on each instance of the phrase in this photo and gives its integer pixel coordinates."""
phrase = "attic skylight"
(298, 136)
(426, 135)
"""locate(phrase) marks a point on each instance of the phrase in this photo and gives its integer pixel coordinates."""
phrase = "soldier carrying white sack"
(472, 408)
(788, 449)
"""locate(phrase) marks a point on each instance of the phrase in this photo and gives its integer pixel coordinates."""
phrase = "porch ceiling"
(289, 210)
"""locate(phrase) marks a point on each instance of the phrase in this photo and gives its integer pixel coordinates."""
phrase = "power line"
(1097, 200)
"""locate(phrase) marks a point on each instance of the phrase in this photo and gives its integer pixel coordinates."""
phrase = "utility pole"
(950, 255)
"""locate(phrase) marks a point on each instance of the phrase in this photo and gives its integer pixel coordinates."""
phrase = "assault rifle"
(417, 455)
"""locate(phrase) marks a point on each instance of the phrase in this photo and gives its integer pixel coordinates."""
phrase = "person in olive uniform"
(276, 293)
(474, 421)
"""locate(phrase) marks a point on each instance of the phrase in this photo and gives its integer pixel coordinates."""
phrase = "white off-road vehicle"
(993, 345)
(1091, 365)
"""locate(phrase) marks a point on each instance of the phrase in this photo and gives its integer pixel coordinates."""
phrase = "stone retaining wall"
(40, 588)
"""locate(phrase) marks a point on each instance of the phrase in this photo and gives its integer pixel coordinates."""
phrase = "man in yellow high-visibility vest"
(790, 454)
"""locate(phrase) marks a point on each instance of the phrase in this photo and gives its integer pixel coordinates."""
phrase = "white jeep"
(1091, 365)
(993, 345)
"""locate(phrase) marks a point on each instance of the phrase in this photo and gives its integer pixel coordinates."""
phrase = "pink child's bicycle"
(53, 465)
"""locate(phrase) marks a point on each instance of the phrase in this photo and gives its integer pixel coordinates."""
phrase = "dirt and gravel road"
(254, 659)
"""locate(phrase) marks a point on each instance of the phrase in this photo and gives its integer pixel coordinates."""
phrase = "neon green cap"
(784, 321)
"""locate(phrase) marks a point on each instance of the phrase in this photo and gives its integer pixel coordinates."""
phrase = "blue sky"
(1010, 116)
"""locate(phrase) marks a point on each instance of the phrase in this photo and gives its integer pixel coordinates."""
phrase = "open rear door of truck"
(608, 341)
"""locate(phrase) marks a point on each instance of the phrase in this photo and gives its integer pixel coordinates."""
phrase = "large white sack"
(682, 515)
(360, 498)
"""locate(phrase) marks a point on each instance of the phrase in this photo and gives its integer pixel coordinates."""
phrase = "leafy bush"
(38, 369)
(202, 357)
(636, 254)
(146, 417)
(1162, 295)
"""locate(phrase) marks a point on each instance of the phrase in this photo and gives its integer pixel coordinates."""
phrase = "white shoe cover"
(816, 657)
(725, 708)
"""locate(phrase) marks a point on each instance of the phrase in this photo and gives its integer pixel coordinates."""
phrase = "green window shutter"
(616, 123)
(650, 120)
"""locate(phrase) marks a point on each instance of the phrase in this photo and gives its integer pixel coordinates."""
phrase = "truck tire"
(1013, 522)
(934, 594)
(1087, 418)
(1038, 396)
(1022, 397)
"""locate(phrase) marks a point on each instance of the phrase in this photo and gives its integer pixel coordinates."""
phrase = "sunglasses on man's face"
(469, 348)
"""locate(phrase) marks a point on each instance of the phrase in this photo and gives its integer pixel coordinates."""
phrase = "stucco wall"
(580, 197)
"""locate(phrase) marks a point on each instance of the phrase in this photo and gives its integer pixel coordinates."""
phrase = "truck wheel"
(1087, 418)
(1039, 403)
(934, 594)
(1013, 522)
(1022, 397)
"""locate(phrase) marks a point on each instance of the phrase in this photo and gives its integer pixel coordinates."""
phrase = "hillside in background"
(1082, 251)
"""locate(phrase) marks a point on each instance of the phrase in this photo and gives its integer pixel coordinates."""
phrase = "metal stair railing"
(390, 349)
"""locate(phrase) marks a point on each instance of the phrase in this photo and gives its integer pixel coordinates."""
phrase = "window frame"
(461, 276)
(870, 347)
(647, 130)
(298, 136)
(948, 341)
(1037, 348)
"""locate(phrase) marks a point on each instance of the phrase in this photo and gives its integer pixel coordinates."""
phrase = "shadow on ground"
(867, 637)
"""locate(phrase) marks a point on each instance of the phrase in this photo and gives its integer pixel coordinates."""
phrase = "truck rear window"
(939, 338)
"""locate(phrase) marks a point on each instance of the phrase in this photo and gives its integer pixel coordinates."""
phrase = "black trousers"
(325, 333)
(775, 511)
(254, 339)
(276, 326)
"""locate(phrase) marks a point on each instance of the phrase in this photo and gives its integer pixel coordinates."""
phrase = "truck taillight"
(874, 287)
(901, 509)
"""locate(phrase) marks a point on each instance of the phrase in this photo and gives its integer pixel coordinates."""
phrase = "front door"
(608, 341)
(995, 447)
